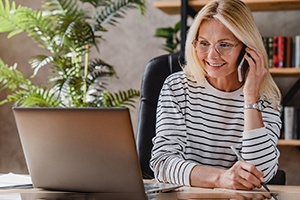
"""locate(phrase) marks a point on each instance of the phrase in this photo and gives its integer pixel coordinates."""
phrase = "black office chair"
(155, 74)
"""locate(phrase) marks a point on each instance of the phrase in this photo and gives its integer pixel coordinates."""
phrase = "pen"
(242, 159)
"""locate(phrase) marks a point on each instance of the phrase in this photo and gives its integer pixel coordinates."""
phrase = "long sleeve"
(259, 145)
(168, 161)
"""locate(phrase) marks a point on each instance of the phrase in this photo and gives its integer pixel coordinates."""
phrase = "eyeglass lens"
(223, 48)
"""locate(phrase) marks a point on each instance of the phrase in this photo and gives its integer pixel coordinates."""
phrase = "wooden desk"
(285, 192)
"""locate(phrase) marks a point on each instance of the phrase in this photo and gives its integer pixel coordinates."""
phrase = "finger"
(251, 62)
(252, 174)
(244, 184)
(256, 65)
(252, 54)
(241, 176)
(257, 58)
(246, 181)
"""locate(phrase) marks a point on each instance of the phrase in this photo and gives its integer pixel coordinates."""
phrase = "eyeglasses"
(223, 48)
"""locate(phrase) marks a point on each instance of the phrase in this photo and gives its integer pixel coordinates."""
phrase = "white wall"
(128, 47)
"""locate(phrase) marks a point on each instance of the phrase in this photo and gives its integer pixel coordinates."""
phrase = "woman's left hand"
(255, 76)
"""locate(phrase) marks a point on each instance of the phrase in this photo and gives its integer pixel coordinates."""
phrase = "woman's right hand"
(241, 176)
(255, 76)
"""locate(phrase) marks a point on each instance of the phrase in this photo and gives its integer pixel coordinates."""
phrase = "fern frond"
(122, 98)
(37, 97)
(78, 34)
(64, 7)
(61, 64)
(115, 9)
(99, 69)
(6, 13)
(94, 3)
(11, 78)
(75, 31)
(40, 28)
(39, 61)
(14, 97)
(23, 19)
(33, 96)
(68, 87)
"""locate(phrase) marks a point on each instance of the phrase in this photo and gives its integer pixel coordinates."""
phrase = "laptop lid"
(80, 149)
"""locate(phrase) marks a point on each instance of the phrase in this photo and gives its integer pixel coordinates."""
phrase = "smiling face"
(219, 62)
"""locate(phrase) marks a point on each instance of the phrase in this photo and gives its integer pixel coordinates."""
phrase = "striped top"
(198, 124)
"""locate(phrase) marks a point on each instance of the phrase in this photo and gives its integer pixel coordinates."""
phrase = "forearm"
(207, 177)
(252, 119)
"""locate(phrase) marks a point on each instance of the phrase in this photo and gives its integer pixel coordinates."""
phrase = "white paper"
(11, 179)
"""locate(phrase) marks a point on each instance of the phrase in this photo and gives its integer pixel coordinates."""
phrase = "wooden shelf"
(288, 143)
(290, 72)
(173, 6)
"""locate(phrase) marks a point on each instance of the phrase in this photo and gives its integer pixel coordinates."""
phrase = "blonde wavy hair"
(237, 17)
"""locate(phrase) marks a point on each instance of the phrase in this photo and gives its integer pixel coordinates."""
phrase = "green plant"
(171, 36)
(68, 32)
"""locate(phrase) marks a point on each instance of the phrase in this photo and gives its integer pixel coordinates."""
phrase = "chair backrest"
(156, 71)
(279, 178)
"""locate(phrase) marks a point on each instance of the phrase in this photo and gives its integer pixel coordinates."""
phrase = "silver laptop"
(82, 149)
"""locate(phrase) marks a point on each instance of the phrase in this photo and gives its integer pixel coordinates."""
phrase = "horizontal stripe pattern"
(198, 124)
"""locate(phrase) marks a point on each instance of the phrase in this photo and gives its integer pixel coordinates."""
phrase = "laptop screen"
(80, 149)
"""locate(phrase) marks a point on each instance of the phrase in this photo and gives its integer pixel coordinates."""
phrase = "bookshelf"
(285, 72)
(190, 7)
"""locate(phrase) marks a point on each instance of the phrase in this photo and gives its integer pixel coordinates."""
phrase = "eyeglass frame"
(233, 46)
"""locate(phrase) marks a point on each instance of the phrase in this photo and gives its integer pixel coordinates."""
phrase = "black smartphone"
(243, 65)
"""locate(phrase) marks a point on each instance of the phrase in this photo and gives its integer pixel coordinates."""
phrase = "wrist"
(250, 100)
(250, 96)
(204, 176)
(256, 106)
(219, 178)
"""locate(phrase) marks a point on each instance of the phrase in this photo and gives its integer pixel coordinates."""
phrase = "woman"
(206, 109)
